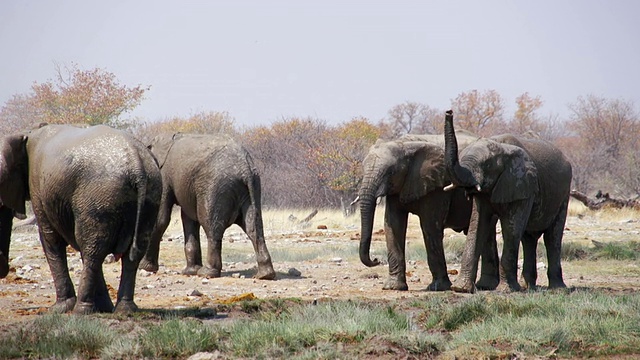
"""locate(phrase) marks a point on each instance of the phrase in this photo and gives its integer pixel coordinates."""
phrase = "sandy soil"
(311, 263)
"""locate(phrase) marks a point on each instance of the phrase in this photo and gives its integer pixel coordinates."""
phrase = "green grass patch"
(578, 323)
(563, 323)
(58, 336)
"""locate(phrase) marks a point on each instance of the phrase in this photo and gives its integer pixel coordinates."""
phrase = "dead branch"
(602, 201)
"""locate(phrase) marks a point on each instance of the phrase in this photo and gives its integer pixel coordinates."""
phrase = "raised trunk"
(460, 176)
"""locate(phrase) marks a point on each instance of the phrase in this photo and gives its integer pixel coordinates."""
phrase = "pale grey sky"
(334, 60)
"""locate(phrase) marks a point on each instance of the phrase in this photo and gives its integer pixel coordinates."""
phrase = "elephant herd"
(523, 183)
(103, 192)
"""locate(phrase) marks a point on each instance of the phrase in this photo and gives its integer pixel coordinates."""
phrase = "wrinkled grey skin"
(410, 172)
(96, 189)
(213, 180)
(524, 182)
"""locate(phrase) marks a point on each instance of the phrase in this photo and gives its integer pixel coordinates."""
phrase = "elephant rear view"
(96, 189)
(214, 181)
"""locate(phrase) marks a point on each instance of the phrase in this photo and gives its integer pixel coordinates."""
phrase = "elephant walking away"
(214, 181)
(526, 183)
(410, 172)
(96, 189)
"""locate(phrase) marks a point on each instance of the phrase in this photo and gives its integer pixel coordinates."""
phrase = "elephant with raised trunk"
(214, 181)
(96, 189)
(411, 174)
(525, 183)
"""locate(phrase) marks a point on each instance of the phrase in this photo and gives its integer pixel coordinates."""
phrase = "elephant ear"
(13, 173)
(426, 173)
(518, 180)
(160, 147)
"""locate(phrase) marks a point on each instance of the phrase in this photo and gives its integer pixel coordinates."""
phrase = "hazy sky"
(334, 60)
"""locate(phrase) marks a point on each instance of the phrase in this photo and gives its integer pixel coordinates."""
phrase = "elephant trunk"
(460, 176)
(367, 195)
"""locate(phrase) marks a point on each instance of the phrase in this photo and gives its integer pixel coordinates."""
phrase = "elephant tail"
(137, 252)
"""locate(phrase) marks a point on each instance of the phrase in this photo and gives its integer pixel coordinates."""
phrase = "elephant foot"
(487, 282)
(464, 286)
(104, 304)
(83, 308)
(266, 274)
(126, 307)
(191, 270)
(395, 284)
(509, 288)
(63, 306)
(208, 272)
(557, 284)
(149, 266)
(439, 285)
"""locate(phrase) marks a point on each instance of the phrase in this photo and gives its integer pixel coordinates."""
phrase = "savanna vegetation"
(307, 162)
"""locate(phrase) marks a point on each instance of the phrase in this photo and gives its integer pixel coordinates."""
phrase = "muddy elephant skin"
(96, 189)
(214, 181)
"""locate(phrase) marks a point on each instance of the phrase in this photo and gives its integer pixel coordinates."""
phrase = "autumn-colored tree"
(19, 113)
(411, 118)
(337, 160)
(526, 119)
(86, 96)
(205, 122)
(479, 112)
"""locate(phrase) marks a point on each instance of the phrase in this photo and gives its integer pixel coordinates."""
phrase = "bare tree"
(412, 118)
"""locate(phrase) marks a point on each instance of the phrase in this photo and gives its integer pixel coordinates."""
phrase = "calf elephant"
(525, 183)
(410, 172)
(213, 180)
(96, 189)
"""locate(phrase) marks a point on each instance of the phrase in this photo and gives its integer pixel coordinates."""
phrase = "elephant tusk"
(355, 200)
(449, 187)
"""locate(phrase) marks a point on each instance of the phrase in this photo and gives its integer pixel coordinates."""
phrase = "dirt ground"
(311, 263)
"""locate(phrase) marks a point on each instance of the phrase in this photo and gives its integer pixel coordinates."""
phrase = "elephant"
(214, 181)
(410, 173)
(96, 189)
(526, 184)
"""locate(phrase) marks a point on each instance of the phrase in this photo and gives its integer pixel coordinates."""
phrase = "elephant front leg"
(479, 230)
(192, 250)
(435, 256)
(91, 279)
(213, 266)
(553, 243)
(151, 256)
(55, 251)
(490, 271)
(395, 229)
(513, 222)
(529, 265)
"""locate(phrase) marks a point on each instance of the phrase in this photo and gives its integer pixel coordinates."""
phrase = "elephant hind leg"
(250, 220)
